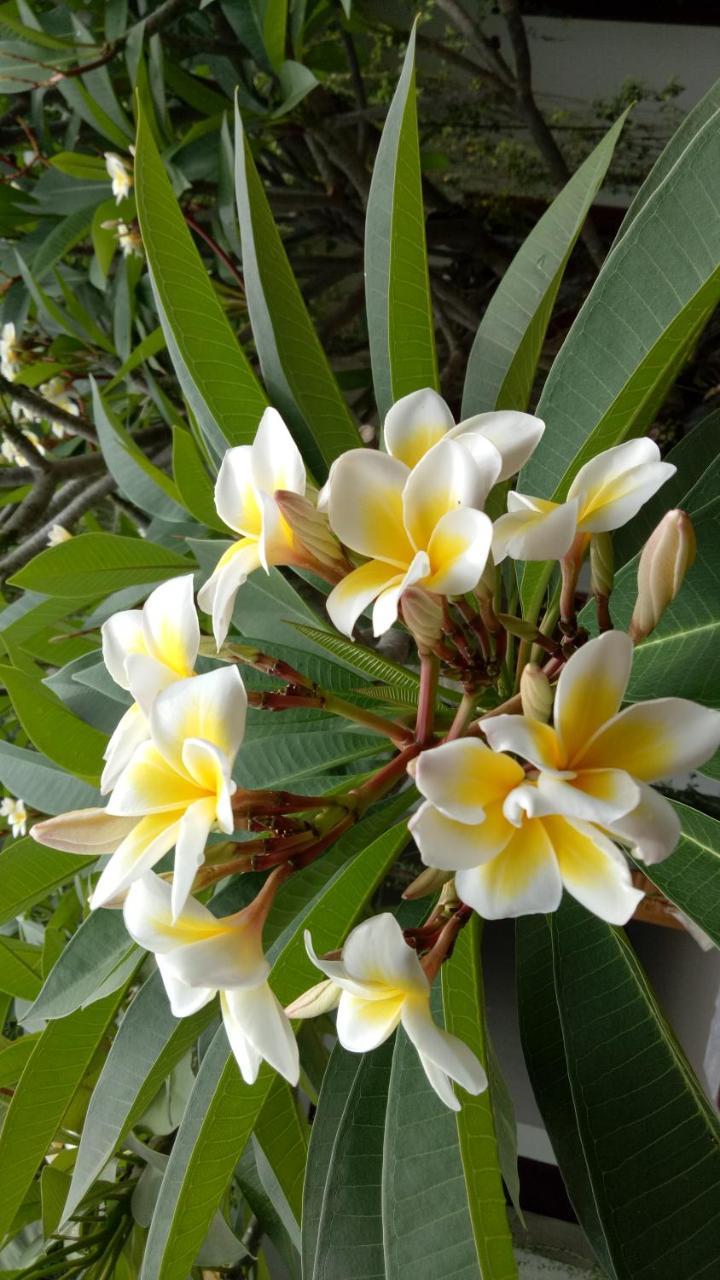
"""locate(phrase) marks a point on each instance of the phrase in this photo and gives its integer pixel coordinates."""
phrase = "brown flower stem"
(263, 804)
(462, 716)
(256, 855)
(477, 626)
(442, 948)
(602, 604)
(429, 672)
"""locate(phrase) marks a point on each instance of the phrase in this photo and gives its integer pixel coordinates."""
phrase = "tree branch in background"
(76, 424)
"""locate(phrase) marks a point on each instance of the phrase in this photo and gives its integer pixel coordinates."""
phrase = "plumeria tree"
(464, 662)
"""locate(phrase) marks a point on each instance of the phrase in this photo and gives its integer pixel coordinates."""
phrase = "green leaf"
(193, 480)
(20, 968)
(96, 953)
(41, 784)
(94, 564)
(646, 1132)
(149, 1043)
(690, 877)
(294, 366)
(274, 28)
(14, 1056)
(636, 328)
(137, 478)
(215, 377)
(63, 236)
(29, 873)
(397, 288)
(464, 1008)
(502, 363)
(54, 1072)
(145, 350)
(222, 1110)
(53, 729)
(78, 165)
(282, 1134)
(367, 662)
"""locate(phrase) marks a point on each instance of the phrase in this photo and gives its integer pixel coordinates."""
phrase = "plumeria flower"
(120, 175)
(418, 528)
(249, 491)
(607, 492)
(597, 761)
(420, 420)
(55, 392)
(382, 985)
(145, 650)
(15, 813)
(130, 240)
(175, 789)
(511, 857)
(198, 955)
(10, 351)
(58, 533)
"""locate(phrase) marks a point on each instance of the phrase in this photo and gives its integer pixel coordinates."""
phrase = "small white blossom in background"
(57, 535)
(56, 393)
(15, 813)
(13, 453)
(10, 351)
(129, 239)
(120, 175)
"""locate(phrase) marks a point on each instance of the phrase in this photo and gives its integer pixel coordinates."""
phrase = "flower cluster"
(546, 792)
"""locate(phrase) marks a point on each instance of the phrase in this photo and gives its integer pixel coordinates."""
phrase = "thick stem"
(429, 672)
(462, 717)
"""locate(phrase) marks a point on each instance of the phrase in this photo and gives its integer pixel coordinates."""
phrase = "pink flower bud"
(664, 561)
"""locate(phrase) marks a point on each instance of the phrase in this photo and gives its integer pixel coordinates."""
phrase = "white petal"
(257, 1016)
(146, 844)
(531, 739)
(248, 1059)
(211, 707)
(535, 534)
(130, 731)
(452, 846)
(276, 459)
(355, 592)
(149, 784)
(146, 679)
(184, 1000)
(653, 827)
(376, 951)
(334, 969)
(170, 625)
(612, 487)
(85, 831)
(317, 1000)
(593, 870)
(590, 690)
(194, 829)
(445, 479)
(366, 509)
(217, 596)
(415, 423)
(463, 776)
(385, 611)
(515, 435)
(147, 912)
(236, 497)
(522, 880)
(445, 1051)
(596, 795)
(656, 739)
(362, 1025)
(122, 635)
(458, 551)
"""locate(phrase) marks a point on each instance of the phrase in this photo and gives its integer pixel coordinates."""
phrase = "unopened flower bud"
(602, 564)
(536, 693)
(317, 545)
(429, 881)
(423, 616)
(664, 561)
(319, 999)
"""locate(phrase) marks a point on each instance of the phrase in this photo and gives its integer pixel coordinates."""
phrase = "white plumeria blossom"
(607, 492)
(58, 533)
(120, 175)
(15, 814)
(130, 240)
(145, 650)
(55, 392)
(10, 351)
(249, 477)
(597, 762)
(175, 790)
(383, 985)
(420, 527)
(511, 857)
(199, 955)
